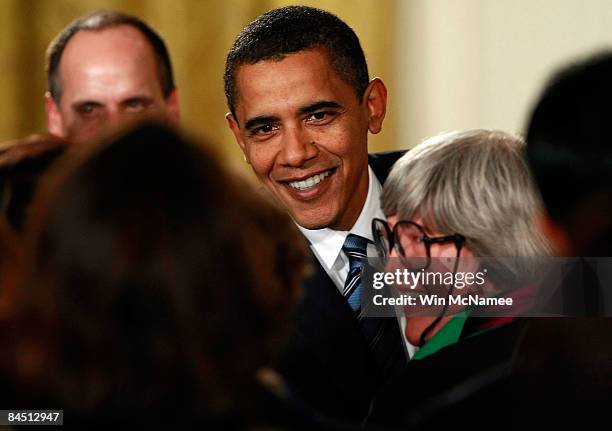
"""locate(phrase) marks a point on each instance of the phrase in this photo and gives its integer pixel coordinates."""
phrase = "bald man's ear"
(55, 124)
(174, 108)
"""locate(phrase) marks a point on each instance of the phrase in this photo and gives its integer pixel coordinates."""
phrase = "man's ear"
(556, 235)
(55, 124)
(174, 109)
(375, 98)
(235, 128)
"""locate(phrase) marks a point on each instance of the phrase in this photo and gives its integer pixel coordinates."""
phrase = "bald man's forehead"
(118, 56)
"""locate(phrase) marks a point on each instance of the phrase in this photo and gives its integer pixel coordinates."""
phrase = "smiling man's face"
(304, 132)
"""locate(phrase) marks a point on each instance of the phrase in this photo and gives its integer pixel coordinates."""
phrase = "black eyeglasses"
(410, 242)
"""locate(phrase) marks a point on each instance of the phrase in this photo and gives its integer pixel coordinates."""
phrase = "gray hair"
(476, 183)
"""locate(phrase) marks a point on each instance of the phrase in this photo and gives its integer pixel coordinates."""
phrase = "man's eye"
(265, 129)
(135, 105)
(320, 117)
(87, 108)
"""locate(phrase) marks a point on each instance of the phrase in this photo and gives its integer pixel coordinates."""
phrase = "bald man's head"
(106, 69)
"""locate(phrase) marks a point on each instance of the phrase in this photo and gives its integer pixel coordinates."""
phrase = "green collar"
(447, 335)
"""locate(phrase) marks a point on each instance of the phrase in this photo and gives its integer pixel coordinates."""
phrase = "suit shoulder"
(382, 162)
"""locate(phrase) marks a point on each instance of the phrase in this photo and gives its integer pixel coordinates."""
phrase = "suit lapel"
(327, 360)
(326, 311)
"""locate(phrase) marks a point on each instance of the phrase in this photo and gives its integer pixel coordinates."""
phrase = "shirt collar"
(448, 334)
(327, 243)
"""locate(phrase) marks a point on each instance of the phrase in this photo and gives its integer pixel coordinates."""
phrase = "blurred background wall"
(448, 64)
(482, 63)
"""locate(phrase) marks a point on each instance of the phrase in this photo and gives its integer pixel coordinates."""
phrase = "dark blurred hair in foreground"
(157, 284)
(9, 269)
(22, 163)
(569, 145)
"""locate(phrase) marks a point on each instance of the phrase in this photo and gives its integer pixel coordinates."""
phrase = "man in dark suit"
(301, 105)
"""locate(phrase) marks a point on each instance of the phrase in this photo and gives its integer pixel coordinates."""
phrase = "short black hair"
(102, 20)
(569, 138)
(291, 29)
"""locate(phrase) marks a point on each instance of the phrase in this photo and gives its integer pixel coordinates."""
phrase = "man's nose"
(298, 147)
(114, 117)
(117, 118)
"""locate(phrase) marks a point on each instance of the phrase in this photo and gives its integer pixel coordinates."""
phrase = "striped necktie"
(382, 334)
(355, 249)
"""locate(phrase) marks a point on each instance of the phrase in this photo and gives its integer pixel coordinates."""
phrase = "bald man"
(103, 70)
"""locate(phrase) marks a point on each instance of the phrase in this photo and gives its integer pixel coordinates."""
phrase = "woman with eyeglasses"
(453, 202)
(460, 202)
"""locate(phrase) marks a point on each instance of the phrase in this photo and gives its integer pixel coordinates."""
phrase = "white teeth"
(309, 182)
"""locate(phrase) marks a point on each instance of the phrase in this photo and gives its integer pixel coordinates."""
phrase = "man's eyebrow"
(258, 121)
(319, 105)
(138, 97)
(79, 103)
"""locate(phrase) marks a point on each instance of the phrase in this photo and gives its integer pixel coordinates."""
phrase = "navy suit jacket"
(327, 363)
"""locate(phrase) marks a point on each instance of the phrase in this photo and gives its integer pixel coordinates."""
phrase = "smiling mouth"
(310, 182)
